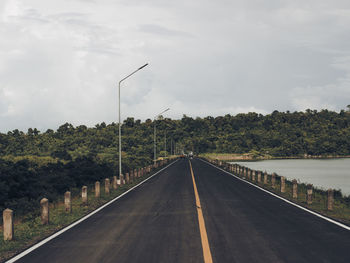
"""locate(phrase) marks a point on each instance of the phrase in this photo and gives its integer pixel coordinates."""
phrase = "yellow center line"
(202, 229)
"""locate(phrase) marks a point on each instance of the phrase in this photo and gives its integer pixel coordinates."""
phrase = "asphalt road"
(157, 222)
(245, 224)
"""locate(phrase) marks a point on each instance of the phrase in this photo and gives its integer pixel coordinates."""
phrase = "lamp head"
(143, 66)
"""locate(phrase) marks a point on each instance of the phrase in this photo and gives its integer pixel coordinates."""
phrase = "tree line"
(58, 158)
(279, 133)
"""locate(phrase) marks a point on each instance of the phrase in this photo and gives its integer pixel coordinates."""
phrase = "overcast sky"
(61, 60)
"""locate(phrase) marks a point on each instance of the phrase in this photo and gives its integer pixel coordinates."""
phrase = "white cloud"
(61, 61)
(327, 96)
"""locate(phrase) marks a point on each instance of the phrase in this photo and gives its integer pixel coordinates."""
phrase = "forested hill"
(279, 134)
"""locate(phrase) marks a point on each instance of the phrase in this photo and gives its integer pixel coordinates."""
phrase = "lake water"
(323, 173)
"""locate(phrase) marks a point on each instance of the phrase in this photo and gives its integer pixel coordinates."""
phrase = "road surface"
(159, 222)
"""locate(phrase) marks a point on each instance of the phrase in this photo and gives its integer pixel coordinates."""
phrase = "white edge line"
(286, 200)
(27, 251)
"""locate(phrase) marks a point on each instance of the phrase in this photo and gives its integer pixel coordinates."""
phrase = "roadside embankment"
(18, 234)
(330, 203)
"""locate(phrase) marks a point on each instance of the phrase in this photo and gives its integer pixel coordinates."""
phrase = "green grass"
(29, 230)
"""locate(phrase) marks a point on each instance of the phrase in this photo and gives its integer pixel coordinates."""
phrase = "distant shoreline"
(298, 158)
(248, 157)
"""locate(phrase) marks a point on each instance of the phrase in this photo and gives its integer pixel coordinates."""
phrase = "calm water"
(325, 173)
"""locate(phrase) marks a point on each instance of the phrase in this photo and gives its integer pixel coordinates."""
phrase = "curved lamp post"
(155, 146)
(120, 138)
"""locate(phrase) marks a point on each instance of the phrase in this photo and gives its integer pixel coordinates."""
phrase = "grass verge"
(29, 230)
(341, 209)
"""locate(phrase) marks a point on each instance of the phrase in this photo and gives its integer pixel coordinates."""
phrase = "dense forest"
(48, 163)
(279, 134)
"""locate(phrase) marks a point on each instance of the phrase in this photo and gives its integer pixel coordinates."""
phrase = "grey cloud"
(162, 31)
(61, 62)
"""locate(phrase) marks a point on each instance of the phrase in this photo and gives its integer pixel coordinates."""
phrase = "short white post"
(44, 207)
(7, 218)
(84, 195)
(68, 202)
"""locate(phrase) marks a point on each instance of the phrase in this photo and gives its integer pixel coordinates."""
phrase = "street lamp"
(155, 146)
(120, 138)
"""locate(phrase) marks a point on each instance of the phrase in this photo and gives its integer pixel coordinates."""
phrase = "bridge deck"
(157, 222)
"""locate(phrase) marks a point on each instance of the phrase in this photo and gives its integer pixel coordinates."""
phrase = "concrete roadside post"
(68, 202)
(122, 182)
(309, 194)
(295, 189)
(115, 182)
(131, 176)
(253, 175)
(259, 177)
(107, 186)
(265, 178)
(330, 200)
(44, 209)
(97, 189)
(84, 195)
(127, 178)
(248, 173)
(273, 180)
(7, 219)
(283, 184)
